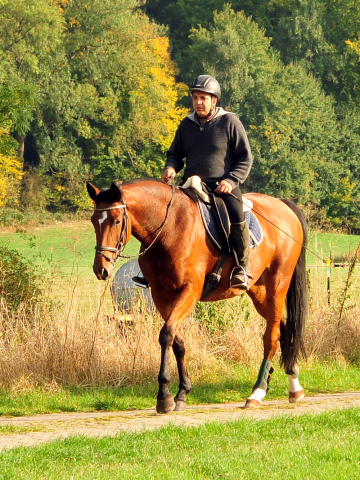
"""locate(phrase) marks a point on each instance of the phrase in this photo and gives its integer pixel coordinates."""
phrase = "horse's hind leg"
(270, 307)
(184, 380)
(296, 392)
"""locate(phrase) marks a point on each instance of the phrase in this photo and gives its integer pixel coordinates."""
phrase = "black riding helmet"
(207, 84)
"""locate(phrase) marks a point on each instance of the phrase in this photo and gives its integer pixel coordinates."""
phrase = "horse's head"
(112, 228)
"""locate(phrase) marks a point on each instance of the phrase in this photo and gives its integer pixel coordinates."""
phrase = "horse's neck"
(147, 207)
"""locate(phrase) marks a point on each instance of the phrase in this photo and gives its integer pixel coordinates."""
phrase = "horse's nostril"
(104, 274)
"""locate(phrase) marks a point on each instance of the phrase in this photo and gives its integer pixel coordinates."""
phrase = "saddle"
(217, 225)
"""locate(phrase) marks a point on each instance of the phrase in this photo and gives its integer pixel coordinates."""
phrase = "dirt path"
(38, 429)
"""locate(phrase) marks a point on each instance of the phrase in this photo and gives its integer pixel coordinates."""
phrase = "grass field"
(65, 246)
(320, 447)
(231, 385)
(73, 242)
(65, 252)
(76, 356)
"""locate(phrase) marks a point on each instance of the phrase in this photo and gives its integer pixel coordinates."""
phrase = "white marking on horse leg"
(258, 394)
(102, 219)
(294, 384)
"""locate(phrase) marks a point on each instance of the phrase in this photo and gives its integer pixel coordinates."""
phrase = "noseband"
(122, 239)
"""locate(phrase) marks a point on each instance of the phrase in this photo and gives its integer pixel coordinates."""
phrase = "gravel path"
(38, 429)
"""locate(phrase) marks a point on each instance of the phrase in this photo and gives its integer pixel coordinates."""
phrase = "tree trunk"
(21, 141)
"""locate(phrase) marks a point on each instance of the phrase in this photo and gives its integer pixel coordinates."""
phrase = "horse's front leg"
(165, 400)
(184, 380)
(168, 339)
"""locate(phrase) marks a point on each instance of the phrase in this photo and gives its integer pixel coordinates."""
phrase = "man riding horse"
(216, 148)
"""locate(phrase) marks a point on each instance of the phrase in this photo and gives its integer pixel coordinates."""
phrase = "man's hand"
(168, 174)
(224, 187)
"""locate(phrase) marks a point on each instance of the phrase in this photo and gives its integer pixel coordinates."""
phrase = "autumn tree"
(126, 78)
(104, 101)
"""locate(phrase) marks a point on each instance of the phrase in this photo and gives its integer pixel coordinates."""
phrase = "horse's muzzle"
(103, 269)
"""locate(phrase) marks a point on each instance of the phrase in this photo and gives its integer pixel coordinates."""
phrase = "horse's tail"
(292, 333)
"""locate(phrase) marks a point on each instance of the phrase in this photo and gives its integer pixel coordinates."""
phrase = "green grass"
(233, 386)
(16, 429)
(73, 243)
(327, 245)
(320, 447)
(65, 247)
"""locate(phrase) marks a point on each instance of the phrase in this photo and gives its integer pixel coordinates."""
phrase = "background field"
(67, 250)
(77, 352)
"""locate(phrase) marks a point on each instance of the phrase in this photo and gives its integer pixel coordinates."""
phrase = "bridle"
(124, 234)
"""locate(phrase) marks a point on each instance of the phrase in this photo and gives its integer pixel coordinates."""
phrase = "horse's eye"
(117, 222)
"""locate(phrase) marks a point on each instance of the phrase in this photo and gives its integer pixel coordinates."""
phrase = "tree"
(315, 34)
(290, 122)
(16, 105)
(31, 33)
(113, 105)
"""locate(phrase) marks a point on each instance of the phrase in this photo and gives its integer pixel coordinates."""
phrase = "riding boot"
(140, 281)
(240, 241)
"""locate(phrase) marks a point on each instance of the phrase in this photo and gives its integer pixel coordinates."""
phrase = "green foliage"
(125, 94)
(92, 87)
(19, 284)
(17, 101)
(220, 317)
(304, 153)
(100, 87)
(291, 123)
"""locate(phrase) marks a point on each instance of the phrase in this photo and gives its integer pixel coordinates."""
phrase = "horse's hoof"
(180, 405)
(252, 403)
(165, 406)
(295, 397)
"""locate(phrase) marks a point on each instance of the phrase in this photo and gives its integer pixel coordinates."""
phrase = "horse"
(177, 257)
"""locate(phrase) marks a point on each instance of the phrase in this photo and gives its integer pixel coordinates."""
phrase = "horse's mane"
(107, 196)
(137, 180)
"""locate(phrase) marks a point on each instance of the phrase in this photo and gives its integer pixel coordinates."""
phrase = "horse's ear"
(115, 192)
(92, 191)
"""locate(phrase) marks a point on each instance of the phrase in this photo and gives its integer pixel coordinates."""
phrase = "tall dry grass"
(75, 337)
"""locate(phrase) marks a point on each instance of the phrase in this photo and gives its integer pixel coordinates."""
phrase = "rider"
(216, 148)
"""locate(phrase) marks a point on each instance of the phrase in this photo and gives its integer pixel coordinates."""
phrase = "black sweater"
(215, 150)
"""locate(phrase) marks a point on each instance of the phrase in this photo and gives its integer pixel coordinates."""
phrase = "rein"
(281, 230)
(126, 227)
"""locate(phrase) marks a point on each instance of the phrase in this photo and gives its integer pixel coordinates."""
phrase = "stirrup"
(241, 283)
(140, 281)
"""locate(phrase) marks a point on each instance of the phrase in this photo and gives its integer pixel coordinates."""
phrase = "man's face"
(203, 103)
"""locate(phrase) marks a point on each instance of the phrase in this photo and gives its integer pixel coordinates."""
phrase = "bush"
(19, 284)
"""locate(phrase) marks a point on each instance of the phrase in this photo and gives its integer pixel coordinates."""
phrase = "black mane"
(108, 197)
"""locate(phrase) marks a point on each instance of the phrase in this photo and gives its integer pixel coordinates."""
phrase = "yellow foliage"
(278, 137)
(355, 45)
(344, 193)
(159, 83)
(10, 168)
(74, 23)
(10, 165)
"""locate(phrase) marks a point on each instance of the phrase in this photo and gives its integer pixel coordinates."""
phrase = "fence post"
(328, 265)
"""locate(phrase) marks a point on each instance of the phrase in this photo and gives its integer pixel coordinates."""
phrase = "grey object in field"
(126, 294)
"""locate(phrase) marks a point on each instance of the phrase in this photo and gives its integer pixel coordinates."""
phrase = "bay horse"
(177, 257)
